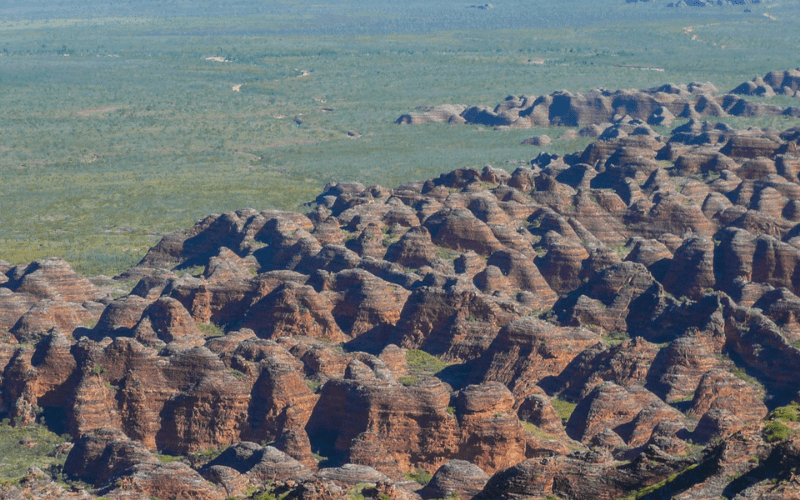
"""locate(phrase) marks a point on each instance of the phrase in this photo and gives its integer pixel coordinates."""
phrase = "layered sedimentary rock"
(656, 106)
(775, 82)
(574, 328)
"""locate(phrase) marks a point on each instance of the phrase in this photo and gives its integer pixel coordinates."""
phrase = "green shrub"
(616, 337)
(446, 254)
(563, 407)
(358, 491)
(167, 458)
(776, 431)
(264, 495)
(654, 487)
(788, 413)
(420, 364)
(408, 380)
(313, 385)
(622, 250)
(421, 476)
(207, 455)
(741, 374)
(211, 330)
(193, 270)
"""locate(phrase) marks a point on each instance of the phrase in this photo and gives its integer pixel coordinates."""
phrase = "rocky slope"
(773, 83)
(619, 321)
(597, 109)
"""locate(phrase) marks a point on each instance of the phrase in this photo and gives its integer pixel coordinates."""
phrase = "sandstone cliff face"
(574, 328)
(529, 350)
(457, 478)
(46, 295)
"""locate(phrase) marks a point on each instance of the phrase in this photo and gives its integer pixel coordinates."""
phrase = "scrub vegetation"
(119, 123)
(23, 447)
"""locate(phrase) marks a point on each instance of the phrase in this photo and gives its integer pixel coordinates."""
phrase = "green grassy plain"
(115, 130)
(28, 446)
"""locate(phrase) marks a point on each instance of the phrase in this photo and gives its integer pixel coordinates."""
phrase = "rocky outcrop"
(491, 435)
(529, 350)
(46, 296)
(631, 412)
(457, 478)
(691, 271)
(366, 407)
(51, 279)
(775, 82)
(574, 328)
(656, 106)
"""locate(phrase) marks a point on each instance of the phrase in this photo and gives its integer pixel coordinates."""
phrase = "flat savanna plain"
(115, 129)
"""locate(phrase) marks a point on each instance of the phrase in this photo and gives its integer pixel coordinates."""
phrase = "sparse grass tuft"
(616, 337)
(536, 431)
(420, 365)
(657, 486)
(211, 330)
(165, 458)
(446, 254)
(741, 374)
(563, 407)
(421, 476)
(313, 385)
(193, 270)
(264, 495)
(205, 456)
(622, 250)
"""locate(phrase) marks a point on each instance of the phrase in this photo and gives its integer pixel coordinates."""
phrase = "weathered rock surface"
(574, 328)
(457, 478)
(657, 106)
(775, 82)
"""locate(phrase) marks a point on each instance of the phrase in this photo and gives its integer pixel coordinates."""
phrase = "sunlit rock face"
(584, 327)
